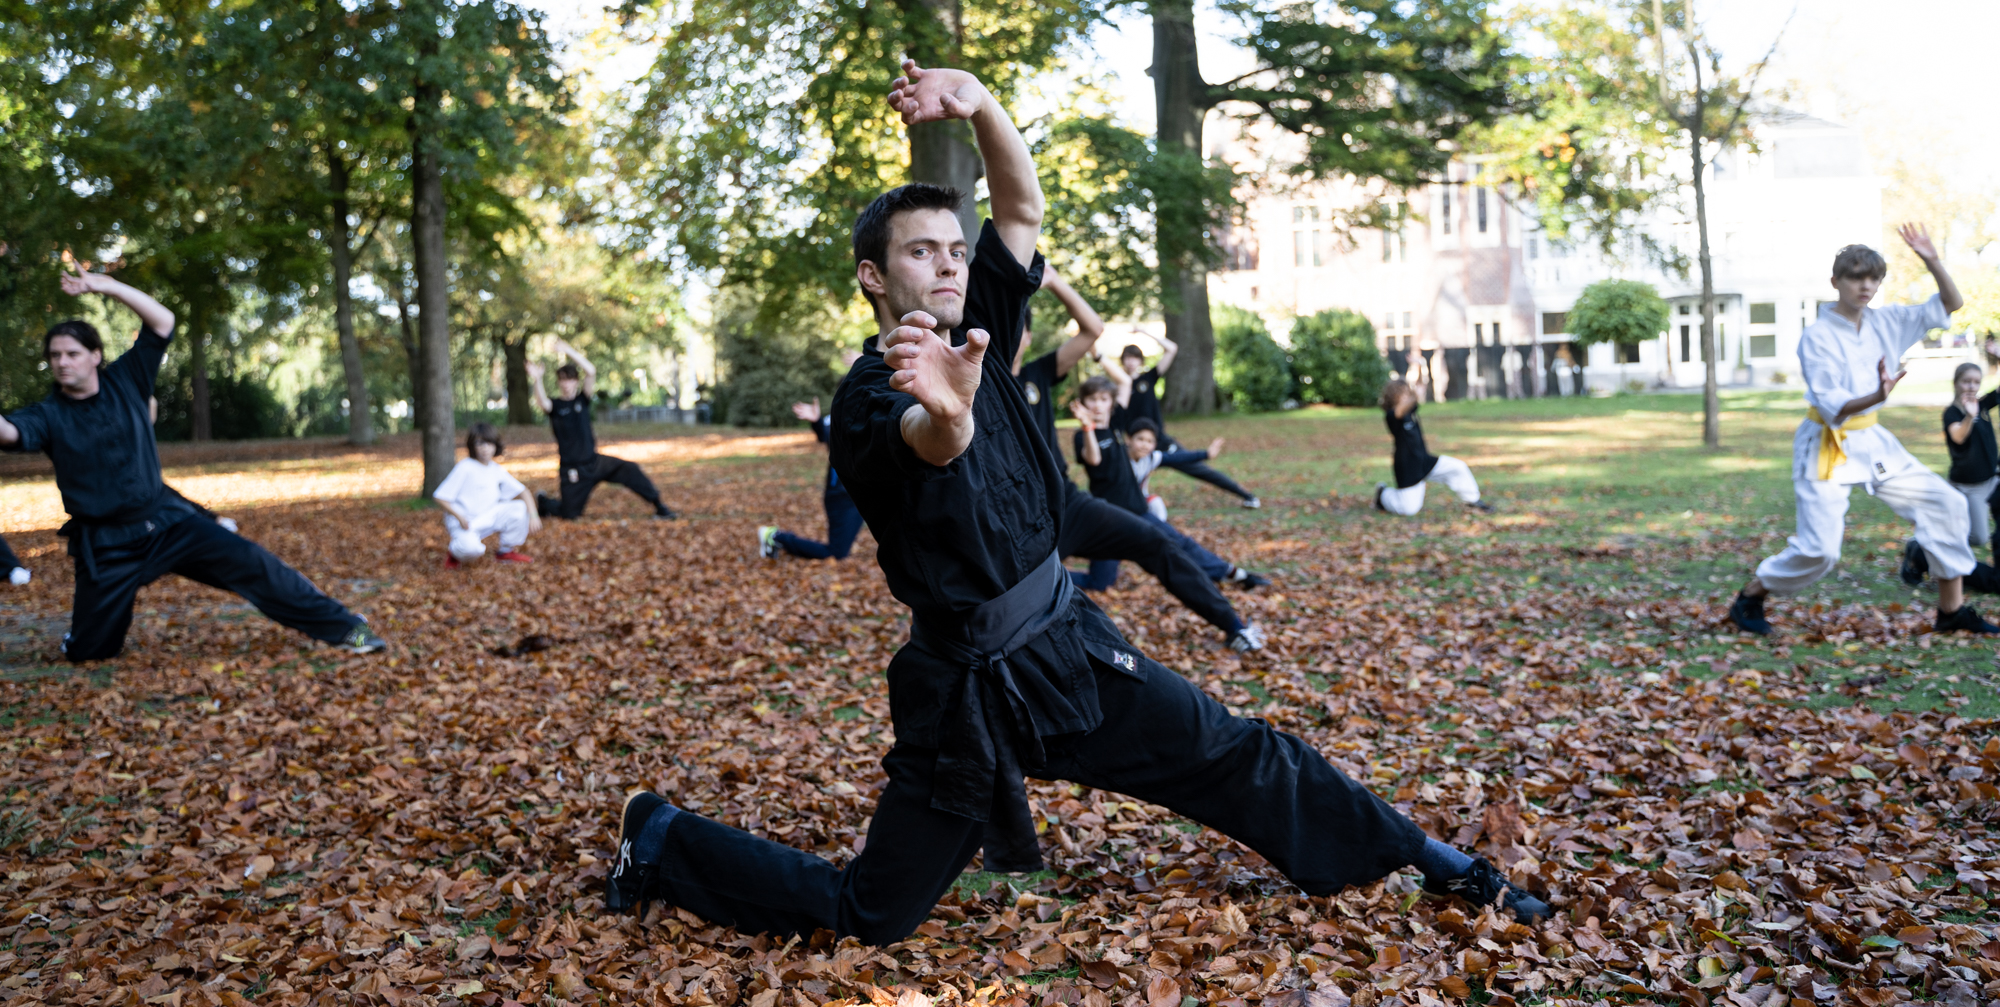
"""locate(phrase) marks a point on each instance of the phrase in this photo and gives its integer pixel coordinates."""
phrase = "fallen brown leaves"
(229, 815)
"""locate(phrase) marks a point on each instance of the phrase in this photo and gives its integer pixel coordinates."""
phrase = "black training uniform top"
(1413, 461)
(576, 440)
(821, 427)
(1976, 460)
(951, 538)
(1038, 380)
(1111, 479)
(1145, 404)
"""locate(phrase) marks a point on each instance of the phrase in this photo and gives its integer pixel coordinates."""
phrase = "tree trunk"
(360, 422)
(943, 153)
(1711, 414)
(1181, 98)
(427, 233)
(520, 398)
(412, 349)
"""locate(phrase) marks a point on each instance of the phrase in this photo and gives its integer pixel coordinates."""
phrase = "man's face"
(568, 387)
(1100, 408)
(1139, 444)
(1856, 291)
(926, 267)
(73, 367)
(1133, 365)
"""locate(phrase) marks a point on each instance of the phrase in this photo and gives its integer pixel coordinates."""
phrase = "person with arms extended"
(1009, 670)
(1850, 359)
(1096, 530)
(581, 468)
(126, 529)
(843, 522)
(1144, 403)
(1413, 462)
(1975, 467)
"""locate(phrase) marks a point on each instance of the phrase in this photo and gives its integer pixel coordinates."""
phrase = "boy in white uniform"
(480, 498)
(1847, 356)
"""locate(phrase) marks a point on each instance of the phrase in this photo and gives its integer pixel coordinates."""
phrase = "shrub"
(767, 359)
(1618, 311)
(1250, 366)
(1334, 359)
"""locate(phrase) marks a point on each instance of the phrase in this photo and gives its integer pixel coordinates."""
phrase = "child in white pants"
(480, 499)
(1845, 359)
(1968, 437)
(1414, 464)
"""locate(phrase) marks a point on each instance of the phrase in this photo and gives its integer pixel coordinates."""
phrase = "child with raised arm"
(480, 499)
(1413, 462)
(1142, 402)
(1850, 361)
(580, 466)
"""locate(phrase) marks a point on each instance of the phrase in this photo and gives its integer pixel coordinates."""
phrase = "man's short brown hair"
(1859, 260)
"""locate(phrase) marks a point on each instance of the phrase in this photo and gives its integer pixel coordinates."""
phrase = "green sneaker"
(361, 641)
(767, 541)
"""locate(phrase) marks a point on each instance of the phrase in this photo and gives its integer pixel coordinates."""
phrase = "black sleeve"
(142, 362)
(997, 290)
(866, 431)
(32, 424)
(822, 426)
(1953, 414)
(1988, 401)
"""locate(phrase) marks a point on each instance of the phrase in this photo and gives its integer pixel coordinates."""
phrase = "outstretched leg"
(632, 477)
(1103, 533)
(206, 553)
(843, 525)
(1209, 474)
(578, 483)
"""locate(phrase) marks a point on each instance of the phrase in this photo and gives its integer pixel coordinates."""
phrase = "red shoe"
(512, 556)
(451, 562)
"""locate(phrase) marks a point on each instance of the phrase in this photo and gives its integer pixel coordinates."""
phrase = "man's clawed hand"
(82, 281)
(943, 378)
(922, 95)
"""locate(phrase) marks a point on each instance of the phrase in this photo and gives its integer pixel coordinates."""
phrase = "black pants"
(843, 523)
(1162, 741)
(8, 561)
(1207, 473)
(1097, 530)
(580, 481)
(200, 550)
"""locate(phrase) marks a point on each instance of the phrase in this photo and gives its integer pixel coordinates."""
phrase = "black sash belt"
(979, 767)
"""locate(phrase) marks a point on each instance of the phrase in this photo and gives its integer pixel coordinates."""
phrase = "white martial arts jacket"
(1839, 366)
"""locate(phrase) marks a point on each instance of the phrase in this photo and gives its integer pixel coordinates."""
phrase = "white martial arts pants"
(1453, 473)
(1917, 495)
(508, 519)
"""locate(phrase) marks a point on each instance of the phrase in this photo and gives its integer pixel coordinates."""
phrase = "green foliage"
(1618, 311)
(767, 360)
(1335, 359)
(240, 408)
(1250, 366)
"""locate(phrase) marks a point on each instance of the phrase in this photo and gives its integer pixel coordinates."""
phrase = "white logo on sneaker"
(624, 858)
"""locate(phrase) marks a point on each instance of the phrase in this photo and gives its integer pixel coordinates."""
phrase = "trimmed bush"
(1250, 367)
(1334, 359)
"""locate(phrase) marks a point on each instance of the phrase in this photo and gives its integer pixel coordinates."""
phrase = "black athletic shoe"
(1915, 564)
(1481, 506)
(665, 513)
(361, 641)
(1481, 884)
(1748, 614)
(1248, 581)
(625, 889)
(1249, 638)
(1378, 498)
(546, 505)
(1965, 620)
(1983, 579)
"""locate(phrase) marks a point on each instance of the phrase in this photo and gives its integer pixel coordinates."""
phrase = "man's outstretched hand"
(942, 378)
(807, 411)
(922, 95)
(83, 281)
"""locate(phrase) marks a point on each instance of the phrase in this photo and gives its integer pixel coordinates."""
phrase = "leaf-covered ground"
(229, 813)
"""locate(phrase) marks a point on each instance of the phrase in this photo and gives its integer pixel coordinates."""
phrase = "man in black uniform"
(1093, 528)
(582, 468)
(1145, 404)
(126, 528)
(1009, 670)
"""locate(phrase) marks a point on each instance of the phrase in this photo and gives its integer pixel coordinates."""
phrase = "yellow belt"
(1832, 452)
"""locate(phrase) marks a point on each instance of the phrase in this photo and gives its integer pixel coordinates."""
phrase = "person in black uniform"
(1145, 404)
(1975, 468)
(1096, 530)
(582, 468)
(843, 522)
(126, 528)
(1414, 464)
(1009, 670)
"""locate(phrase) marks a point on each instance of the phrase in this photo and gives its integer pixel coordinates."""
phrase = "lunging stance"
(843, 522)
(1850, 361)
(1009, 670)
(582, 468)
(1144, 403)
(126, 528)
(1413, 462)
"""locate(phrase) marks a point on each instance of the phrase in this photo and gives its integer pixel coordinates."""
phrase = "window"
(1764, 314)
(1555, 323)
(1763, 346)
(1686, 308)
(1478, 334)
(1628, 353)
(1481, 200)
(1496, 333)
(1305, 236)
(1407, 316)
(1446, 215)
(1534, 247)
(1388, 321)
(1685, 338)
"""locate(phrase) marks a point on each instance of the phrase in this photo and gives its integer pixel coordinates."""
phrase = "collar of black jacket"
(979, 767)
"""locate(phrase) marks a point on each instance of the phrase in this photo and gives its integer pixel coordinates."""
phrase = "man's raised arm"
(1089, 325)
(152, 313)
(1015, 192)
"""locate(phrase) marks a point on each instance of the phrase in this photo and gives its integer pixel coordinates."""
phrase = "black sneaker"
(1481, 884)
(1965, 620)
(546, 505)
(1248, 581)
(1916, 565)
(1748, 614)
(664, 513)
(361, 641)
(625, 890)
(1247, 639)
(1481, 506)
(1378, 498)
